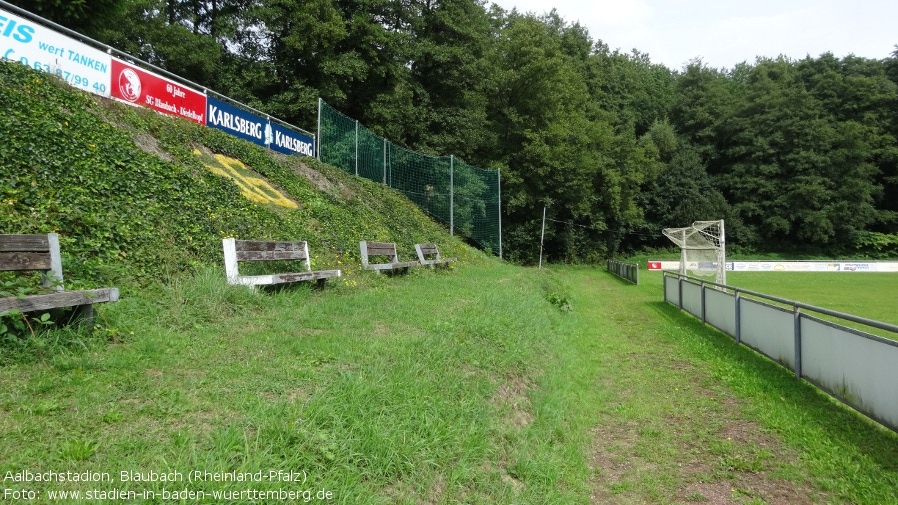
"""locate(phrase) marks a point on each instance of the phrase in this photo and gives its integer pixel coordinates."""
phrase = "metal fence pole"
(451, 194)
(499, 180)
(542, 236)
(385, 162)
(318, 146)
(680, 292)
(797, 317)
(356, 147)
(738, 311)
(702, 288)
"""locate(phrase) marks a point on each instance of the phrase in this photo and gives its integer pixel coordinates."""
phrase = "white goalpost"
(702, 249)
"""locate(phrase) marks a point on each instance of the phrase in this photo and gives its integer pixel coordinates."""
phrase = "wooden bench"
(383, 249)
(429, 255)
(236, 251)
(41, 253)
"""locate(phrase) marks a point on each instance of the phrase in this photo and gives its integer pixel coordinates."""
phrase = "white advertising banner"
(43, 49)
(789, 266)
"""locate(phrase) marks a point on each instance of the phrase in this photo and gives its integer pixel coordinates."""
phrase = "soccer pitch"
(871, 295)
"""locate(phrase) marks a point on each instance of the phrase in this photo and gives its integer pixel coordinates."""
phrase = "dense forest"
(797, 156)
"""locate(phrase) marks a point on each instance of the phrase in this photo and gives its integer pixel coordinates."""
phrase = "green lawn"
(483, 384)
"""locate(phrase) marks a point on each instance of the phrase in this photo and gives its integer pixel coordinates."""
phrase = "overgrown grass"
(484, 384)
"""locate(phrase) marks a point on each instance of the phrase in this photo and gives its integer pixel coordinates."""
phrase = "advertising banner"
(237, 122)
(790, 266)
(140, 87)
(289, 142)
(43, 49)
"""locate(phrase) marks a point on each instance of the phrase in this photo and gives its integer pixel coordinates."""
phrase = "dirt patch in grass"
(511, 396)
(708, 455)
(317, 179)
(148, 144)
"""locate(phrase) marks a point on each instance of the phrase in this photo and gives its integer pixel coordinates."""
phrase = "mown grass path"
(687, 416)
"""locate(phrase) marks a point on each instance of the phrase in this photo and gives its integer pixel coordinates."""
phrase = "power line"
(640, 233)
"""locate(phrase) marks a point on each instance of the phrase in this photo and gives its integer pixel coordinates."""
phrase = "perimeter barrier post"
(738, 312)
(797, 318)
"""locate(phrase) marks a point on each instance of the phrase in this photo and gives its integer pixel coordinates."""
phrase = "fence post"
(451, 194)
(542, 235)
(680, 291)
(797, 317)
(499, 180)
(318, 146)
(702, 287)
(385, 161)
(356, 147)
(738, 311)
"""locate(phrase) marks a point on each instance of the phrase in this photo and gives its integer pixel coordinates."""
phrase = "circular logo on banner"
(129, 85)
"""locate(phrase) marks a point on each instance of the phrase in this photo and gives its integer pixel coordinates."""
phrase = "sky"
(724, 33)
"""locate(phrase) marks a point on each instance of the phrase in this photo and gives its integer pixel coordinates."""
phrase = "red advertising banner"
(140, 87)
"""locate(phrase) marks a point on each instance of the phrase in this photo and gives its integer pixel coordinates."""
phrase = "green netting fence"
(467, 199)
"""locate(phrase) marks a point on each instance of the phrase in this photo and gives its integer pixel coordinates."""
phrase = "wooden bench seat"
(429, 255)
(370, 249)
(236, 251)
(41, 253)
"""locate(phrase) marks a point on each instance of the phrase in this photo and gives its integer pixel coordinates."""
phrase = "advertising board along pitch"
(140, 87)
(43, 49)
(248, 126)
(789, 266)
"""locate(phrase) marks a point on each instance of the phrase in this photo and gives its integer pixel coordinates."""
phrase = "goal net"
(702, 249)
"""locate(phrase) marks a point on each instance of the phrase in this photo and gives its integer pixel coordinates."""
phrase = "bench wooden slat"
(259, 245)
(24, 243)
(10, 261)
(269, 279)
(257, 250)
(381, 249)
(58, 300)
(428, 249)
(270, 255)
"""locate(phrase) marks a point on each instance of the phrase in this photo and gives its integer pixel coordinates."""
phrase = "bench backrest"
(425, 250)
(258, 250)
(33, 252)
(368, 249)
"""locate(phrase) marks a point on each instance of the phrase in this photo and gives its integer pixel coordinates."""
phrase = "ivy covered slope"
(134, 197)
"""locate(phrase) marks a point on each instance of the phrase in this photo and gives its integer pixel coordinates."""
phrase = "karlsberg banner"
(248, 126)
(43, 49)
(237, 122)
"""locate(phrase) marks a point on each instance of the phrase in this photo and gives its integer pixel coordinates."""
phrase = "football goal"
(702, 249)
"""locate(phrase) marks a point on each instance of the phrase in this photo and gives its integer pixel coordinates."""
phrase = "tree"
(635, 90)
(799, 177)
(84, 16)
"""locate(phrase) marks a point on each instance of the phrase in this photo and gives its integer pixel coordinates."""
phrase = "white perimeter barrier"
(858, 368)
